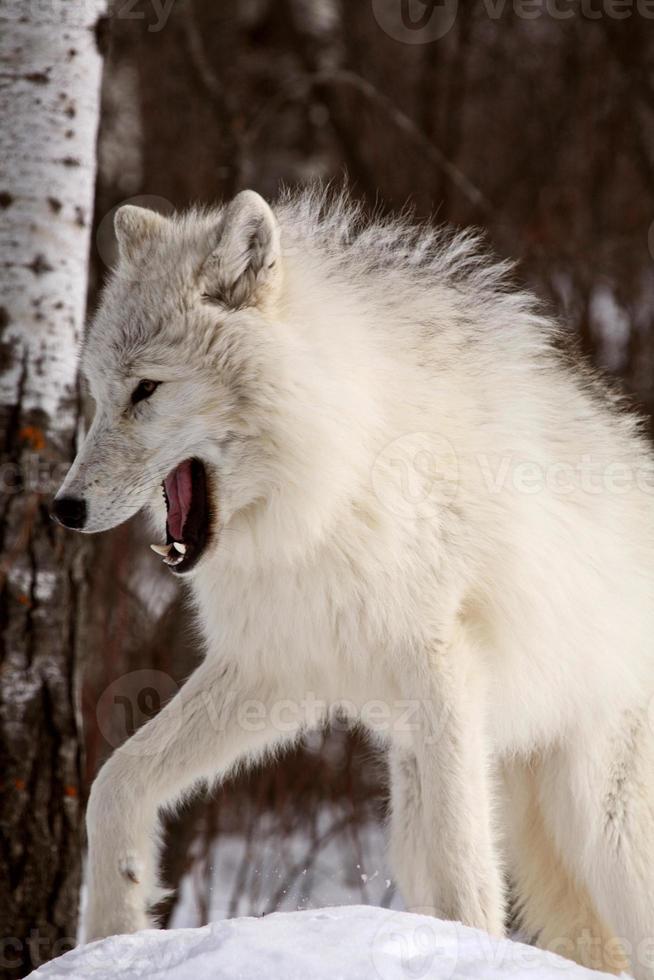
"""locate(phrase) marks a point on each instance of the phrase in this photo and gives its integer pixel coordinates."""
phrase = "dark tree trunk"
(49, 108)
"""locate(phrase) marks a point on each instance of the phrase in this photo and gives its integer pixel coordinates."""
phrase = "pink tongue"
(179, 489)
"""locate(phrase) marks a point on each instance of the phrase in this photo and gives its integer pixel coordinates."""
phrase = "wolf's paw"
(118, 896)
(100, 922)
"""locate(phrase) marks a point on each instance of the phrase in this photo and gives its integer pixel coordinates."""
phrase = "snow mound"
(348, 943)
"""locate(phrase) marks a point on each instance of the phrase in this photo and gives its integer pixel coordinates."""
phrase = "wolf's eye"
(143, 390)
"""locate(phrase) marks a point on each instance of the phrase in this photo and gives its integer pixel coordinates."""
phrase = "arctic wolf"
(388, 491)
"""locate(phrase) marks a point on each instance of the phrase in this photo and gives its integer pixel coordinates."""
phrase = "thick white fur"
(496, 631)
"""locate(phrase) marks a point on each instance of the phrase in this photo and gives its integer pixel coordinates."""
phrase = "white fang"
(161, 549)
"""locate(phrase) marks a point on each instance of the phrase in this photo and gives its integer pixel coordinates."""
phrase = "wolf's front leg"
(442, 797)
(199, 734)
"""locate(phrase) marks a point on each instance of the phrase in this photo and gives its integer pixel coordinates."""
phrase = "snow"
(611, 323)
(325, 861)
(354, 942)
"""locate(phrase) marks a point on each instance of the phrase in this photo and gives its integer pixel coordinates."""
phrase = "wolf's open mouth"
(187, 522)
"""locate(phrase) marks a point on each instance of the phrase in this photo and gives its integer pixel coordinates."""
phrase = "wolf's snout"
(70, 511)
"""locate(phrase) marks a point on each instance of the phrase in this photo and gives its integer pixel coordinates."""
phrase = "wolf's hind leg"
(597, 800)
(449, 783)
(551, 907)
(407, 838)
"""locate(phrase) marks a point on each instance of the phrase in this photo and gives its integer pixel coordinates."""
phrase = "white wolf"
(389, 491)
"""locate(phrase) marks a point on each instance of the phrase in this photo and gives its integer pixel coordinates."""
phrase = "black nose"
(70, 511)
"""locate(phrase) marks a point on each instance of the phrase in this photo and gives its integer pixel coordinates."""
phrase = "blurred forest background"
(536, 129)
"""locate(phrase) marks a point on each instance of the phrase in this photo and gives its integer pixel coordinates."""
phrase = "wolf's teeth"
(179, 547)
(173, 561)
(161, 549)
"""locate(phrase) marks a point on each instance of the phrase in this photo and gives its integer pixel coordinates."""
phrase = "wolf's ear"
(135, 230)
(244, 267)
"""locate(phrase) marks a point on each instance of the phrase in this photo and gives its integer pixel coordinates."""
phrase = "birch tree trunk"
(50, 70)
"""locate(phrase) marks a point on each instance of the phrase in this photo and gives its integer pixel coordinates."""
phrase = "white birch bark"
(49, 97)
(50, 69)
